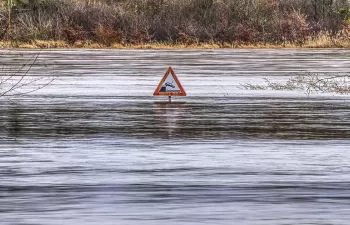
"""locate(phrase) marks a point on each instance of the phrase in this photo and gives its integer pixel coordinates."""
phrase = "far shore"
(320, 43)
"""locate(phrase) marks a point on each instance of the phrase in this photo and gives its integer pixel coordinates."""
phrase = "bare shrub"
(309, 82)
(344, 34)
(185, 21)
(245, 34)
(4, 23)
(28, 28)
(107, 35)
(293, 27)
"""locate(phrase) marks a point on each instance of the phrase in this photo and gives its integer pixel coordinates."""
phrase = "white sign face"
(170, 85)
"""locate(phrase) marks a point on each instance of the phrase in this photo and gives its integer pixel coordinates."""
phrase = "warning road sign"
(170, 85)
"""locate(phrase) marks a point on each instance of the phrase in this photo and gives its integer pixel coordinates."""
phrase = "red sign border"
(182, 91)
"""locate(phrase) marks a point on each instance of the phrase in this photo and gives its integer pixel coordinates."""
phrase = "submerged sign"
(170, 85)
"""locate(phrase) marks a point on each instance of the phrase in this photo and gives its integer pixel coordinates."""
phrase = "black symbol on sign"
(168, 84)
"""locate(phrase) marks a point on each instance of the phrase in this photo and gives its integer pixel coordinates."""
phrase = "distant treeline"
(173, 21)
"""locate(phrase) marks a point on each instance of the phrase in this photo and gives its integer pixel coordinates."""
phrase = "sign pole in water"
(169, 85)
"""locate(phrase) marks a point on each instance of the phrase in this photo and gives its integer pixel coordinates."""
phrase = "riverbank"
(164, 24)
(319, 43)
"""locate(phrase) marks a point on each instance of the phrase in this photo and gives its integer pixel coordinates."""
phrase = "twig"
(23, 80)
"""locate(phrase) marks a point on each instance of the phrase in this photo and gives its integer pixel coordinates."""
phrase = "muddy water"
(95, 147)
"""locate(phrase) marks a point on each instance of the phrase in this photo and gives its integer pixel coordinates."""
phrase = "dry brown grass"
(321, 41)
(41, 44)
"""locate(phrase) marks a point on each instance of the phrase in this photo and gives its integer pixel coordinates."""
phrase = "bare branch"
(15, 87)
(310, 82)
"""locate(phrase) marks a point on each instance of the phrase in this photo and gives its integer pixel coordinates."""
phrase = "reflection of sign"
(170, 85)
(170, 116)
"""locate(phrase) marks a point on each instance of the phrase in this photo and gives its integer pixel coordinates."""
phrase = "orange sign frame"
(182, 90)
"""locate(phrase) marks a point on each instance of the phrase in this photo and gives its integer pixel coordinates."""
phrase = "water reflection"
(13, 124)
(242, 118)
(169, 114)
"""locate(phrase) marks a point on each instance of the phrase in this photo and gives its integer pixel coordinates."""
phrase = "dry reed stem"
(322, 42)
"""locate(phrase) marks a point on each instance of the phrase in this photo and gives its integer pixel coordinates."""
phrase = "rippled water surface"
(95, 147)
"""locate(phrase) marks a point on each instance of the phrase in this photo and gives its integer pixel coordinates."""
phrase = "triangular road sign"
(170, 85)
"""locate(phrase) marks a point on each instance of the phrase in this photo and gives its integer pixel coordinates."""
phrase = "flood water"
(95, 147)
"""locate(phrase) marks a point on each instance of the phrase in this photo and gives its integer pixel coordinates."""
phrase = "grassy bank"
(321, 42)
(175, 24)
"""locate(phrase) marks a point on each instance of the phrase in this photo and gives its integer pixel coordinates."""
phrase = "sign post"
(169, 85)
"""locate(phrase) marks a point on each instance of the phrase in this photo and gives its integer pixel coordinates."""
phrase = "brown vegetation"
(222, 23)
